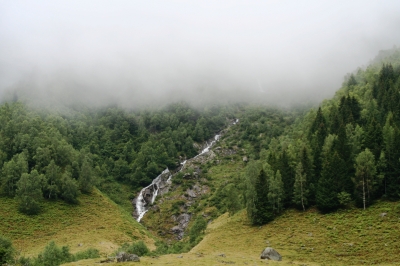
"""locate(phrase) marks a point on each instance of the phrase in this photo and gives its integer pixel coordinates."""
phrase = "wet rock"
(270, 254)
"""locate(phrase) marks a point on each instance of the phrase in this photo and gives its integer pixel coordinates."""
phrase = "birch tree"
(300, 191)
(365, 179)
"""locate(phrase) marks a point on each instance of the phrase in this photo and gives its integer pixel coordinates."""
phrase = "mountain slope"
(95, 222)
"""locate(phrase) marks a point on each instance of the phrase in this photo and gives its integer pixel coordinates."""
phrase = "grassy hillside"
(95, 222)
(347, 237)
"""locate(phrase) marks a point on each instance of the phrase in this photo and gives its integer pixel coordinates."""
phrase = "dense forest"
(345, 152)
(50, 155)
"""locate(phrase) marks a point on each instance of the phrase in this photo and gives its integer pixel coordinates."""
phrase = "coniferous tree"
(318, 134)
(308, 170)
(259, 209)
(276, 192)
(287, 178)
(391, 139)
(263, 207)
(328, 188)
(373, 137)
(344, 151)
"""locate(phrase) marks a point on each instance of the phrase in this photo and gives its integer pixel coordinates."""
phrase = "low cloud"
(143, 53)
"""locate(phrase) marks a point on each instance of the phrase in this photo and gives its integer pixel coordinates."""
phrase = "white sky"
(137, 52)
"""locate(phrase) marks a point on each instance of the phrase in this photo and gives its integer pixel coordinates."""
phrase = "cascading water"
(155, 186)
(141, 204)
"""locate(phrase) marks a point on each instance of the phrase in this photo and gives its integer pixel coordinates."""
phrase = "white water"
(141, 203)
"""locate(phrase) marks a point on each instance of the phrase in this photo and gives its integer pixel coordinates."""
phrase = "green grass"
(96, 222)
(347, 237)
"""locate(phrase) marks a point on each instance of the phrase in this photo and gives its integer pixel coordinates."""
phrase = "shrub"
(90, 253)
(54, 255)
(139, 248)
(6, 250)
(344, 198)
(197, 229)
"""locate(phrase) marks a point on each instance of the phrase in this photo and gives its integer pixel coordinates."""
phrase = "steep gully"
(161, 184)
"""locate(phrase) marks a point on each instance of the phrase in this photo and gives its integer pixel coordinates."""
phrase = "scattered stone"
(310, 234)
(191, 193)
(270, 254)
(122, 257)
(221, 255)
(383, 214)
(178, 231)
(80, 245)
(180, 257)
(245, 159)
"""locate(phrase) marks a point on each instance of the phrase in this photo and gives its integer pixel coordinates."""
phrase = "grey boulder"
(270, 254)
(122, 256)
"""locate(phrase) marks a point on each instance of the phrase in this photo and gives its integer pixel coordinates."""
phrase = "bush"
(344, 198)
(139, 248)
(90, 253)
(54, 255)
(6, 250)
(197, 229)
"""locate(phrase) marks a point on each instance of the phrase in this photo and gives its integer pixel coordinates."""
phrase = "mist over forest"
(138, 54)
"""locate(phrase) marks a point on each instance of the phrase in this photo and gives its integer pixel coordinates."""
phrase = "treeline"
(347, 151)
(49, 155)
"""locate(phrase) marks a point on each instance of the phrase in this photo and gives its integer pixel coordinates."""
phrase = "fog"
(144, 53)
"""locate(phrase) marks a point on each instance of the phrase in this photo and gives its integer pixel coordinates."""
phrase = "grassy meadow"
(95, 222)
(347, 237)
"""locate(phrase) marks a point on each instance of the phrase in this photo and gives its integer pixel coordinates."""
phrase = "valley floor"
(347, 237)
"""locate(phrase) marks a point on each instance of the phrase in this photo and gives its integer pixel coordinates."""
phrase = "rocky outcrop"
(183, 221)
(146, 197)
(270, 254)
(122, 257)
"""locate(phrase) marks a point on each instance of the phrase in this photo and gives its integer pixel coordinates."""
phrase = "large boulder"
(122, 257)
(270, 254)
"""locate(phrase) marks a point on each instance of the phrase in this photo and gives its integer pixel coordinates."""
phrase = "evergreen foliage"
(259, 209)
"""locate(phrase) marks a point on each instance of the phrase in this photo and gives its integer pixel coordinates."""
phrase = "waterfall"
(154, 187)
(141, 203)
